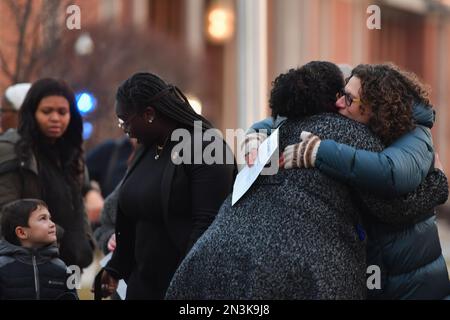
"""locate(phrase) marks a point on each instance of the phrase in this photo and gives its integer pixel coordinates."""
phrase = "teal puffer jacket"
(409, 255)
(395, 171)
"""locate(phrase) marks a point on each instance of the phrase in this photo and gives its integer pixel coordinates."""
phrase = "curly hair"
(391, 94)
(32, 139)
(308, 90)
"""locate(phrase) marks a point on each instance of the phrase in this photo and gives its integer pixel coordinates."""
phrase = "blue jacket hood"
(424, 115)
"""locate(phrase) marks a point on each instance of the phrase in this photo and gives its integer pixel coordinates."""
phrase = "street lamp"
(84, 45)
(220, 21)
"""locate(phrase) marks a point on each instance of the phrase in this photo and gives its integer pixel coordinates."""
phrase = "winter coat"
(21, 180)
(33, 274)
(406, 271)
(294, 235)
(191, 197)
(408, 254)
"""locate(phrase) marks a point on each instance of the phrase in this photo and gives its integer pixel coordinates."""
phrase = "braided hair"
(144, 89)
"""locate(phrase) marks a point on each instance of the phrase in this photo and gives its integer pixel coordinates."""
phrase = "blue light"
(88, 128)
(86, 102)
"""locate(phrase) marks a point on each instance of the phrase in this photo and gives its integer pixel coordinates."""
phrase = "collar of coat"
(8, 156)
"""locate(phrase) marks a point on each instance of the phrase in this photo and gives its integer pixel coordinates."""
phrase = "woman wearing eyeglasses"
(387, 100)
(43, 159)
(297, 234)
(163, 205)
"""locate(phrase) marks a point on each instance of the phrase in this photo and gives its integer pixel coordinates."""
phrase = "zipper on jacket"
(36, 278)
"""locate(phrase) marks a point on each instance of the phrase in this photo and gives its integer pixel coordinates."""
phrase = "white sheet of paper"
(122, 287)
(105, 260)
(247, 176)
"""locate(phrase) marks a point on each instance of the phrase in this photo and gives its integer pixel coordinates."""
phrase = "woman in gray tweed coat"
(297, 234)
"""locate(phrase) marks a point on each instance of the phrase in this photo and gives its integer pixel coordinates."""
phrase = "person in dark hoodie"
(29, 265)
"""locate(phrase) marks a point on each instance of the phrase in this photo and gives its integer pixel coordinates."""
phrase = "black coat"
(33, 274)
(107, 221)
(191, 197)
(107, 163)
(410, 259)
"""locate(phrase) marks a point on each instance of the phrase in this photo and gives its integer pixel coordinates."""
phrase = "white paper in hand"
(248, 175)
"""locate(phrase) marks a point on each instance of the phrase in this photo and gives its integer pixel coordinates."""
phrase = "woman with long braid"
(163, 208)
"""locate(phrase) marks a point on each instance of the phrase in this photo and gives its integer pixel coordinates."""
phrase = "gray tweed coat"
(294, 235)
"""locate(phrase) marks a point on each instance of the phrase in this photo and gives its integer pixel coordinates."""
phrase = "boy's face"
(41, 230)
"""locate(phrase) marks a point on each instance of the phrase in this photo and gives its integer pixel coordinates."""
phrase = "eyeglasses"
(125, 125)
(348, 98)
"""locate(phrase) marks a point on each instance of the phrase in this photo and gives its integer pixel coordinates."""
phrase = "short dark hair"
(16, 214)
(308, 90)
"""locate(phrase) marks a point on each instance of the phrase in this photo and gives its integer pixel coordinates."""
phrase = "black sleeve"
(210, 185)
(122, 260)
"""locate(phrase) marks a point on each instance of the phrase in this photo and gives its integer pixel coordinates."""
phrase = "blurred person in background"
(105, 233)
(107, 164)
(43, 159)
(391, 102)
(299, 234)
(10, 105)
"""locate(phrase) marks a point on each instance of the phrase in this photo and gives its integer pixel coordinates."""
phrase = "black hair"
(308, 90)
(69, 146)
(144, 89)
(16, 214)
